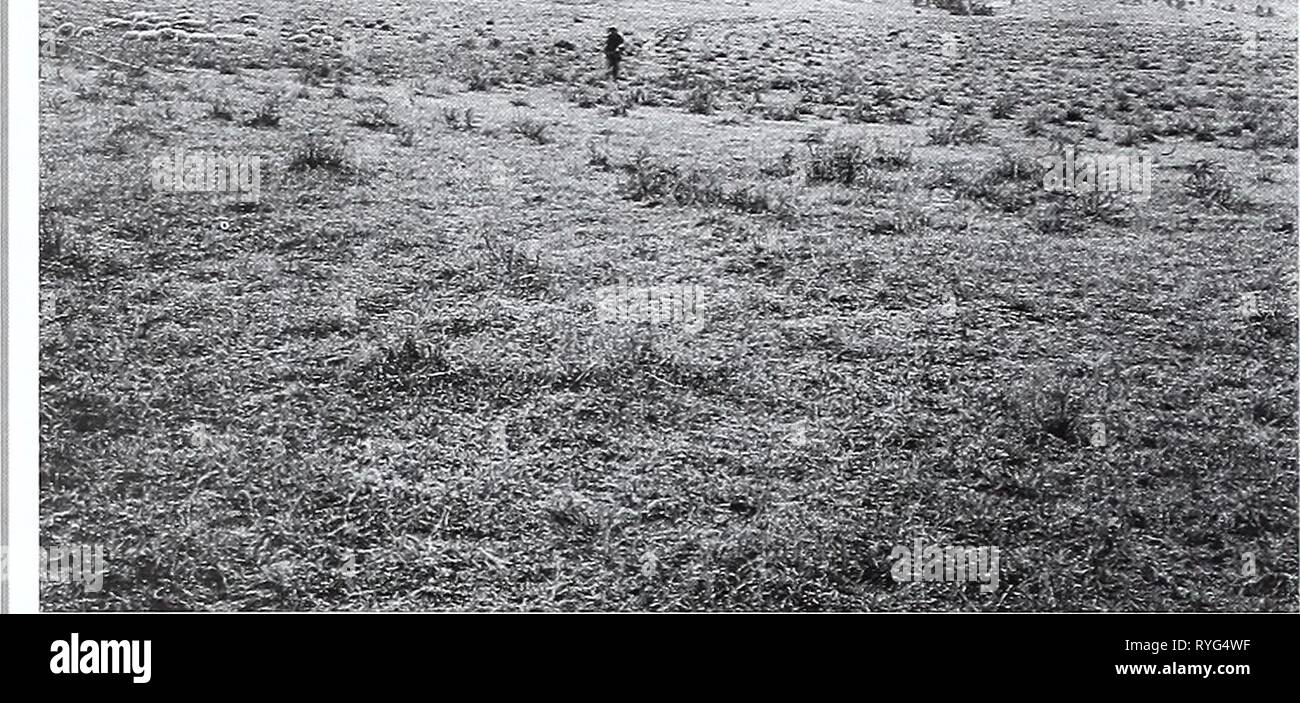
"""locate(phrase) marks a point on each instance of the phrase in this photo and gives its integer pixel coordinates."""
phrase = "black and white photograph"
(666, 306)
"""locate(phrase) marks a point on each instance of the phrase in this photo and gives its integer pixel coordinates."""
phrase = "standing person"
(614, 51)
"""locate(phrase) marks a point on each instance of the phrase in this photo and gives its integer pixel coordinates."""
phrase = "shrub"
(883, 105)
(1071, 213)
(406, 134)
(51, 231)
(461, 120)
(598, 155)
(782, 112)
(316, 72)
(888, 157)
(533, 130)
(268, 114)
(321, 152)
(1011, 183)
(648, 179)
(1004, 106)
(222, 109)
(850, 162)
(1134, 135)
(479, 79)
(1278, 131)
(837, 162)
(1208, 182)
(377, 115)
(958, 130)
(1049, 406)
(906, 216)
(1036, 121)
(701, 100)
(782, 167)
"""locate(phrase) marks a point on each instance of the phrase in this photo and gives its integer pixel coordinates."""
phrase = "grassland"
(384, 385)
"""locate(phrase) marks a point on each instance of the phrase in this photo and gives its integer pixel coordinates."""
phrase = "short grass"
(386, 385)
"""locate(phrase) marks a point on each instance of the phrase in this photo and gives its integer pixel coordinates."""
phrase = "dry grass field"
(386, 382)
